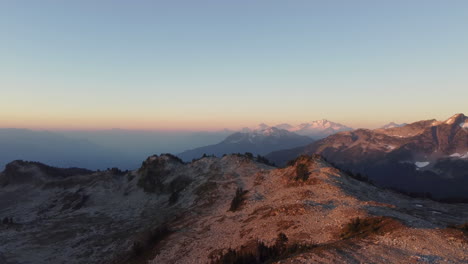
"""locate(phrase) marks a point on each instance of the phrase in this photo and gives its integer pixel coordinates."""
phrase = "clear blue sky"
(216, 64)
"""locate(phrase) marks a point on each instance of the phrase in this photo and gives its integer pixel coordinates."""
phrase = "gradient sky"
(227, 64)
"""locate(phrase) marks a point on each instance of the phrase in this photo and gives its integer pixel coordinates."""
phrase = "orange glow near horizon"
(163, 66)
(61, 115)
(148, 123)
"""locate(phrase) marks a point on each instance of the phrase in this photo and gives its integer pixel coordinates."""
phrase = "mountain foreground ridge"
(214, 210)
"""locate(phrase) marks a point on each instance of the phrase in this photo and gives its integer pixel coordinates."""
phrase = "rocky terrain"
(425, 157)
(215, 210)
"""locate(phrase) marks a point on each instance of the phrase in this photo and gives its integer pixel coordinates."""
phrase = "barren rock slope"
(314, 212)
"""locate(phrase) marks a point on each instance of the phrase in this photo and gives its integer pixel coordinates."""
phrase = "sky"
(208, 65)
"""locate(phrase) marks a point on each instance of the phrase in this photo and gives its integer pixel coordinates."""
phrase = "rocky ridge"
(102, 216)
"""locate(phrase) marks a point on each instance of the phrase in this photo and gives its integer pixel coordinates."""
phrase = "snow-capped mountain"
(259, 141)
(392, 125)
(316, 129)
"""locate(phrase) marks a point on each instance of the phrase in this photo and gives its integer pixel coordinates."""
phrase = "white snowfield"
(458, 155)
(318, 126)
(464, 124)
(390, 147)
(421, 164)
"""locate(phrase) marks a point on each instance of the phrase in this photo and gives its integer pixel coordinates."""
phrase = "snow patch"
(458, 155)
(421, 164)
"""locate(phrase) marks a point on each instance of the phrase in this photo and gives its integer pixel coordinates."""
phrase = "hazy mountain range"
(260, 141)
(97, 149)
(316, 129)
(59, 150)
(263, 139)
(126, 148)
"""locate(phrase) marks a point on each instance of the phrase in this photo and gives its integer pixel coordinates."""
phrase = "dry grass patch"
(363, 227)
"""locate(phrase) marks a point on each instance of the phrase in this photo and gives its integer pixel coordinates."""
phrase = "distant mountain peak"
(260, 140)
(319, 128)
(316, 129)
(260, 132)
(285, 126)
(257, 128)
(261, 126)
(392, 125)
(268, 131)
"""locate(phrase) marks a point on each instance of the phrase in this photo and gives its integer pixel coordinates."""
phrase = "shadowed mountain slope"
(258, 141)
